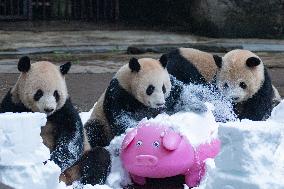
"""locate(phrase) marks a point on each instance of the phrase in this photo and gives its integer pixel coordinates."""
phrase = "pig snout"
(146, 160)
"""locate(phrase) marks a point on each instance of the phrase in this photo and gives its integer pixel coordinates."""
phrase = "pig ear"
(128, 138)
(171, 140)
(208, 150)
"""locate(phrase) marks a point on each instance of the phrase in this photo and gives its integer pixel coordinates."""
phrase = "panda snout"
(48, 110)
(160, 104)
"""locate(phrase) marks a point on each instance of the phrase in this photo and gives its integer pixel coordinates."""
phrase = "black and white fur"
(139, 89)
(197, 67)
(192, 66)
(244, 78)
(41, 88)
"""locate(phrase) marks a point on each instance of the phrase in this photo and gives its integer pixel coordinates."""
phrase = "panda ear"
(218, 60)
(253, 61)
(24, 64)
(134, 65)
(65, 68)
(164, 60)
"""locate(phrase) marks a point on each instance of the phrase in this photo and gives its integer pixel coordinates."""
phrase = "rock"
(235, 18)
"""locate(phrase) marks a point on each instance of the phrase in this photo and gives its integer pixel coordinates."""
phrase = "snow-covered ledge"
(22, 153)
(252, 154)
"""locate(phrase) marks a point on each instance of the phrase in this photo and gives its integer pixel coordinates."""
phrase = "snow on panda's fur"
(139, 89)
(41, 88)
(192, 66)
(243, 77)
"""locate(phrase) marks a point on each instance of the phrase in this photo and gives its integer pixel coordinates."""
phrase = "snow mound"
(252, 155)
(22, 153)
(193, 98)
(198, 128)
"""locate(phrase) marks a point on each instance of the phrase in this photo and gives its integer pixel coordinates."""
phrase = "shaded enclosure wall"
(238, 18)
(214, 18)
(90, 10)
(171, 13)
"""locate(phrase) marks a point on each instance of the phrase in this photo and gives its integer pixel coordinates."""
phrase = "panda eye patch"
(38, 95)
(164, 89)
(150, 90)
(226, 86)
(56, 95)
(243, 85)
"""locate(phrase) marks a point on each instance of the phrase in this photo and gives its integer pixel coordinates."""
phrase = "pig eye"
(156, 144)
(139, 143)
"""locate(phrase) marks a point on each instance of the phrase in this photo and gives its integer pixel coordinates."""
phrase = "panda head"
(240, 75)
(41, 86)
(149, 81)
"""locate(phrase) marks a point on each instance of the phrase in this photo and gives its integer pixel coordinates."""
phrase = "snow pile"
(198, 128)
(22, 153)
(194, 97)
(118, 177)
(252, 155)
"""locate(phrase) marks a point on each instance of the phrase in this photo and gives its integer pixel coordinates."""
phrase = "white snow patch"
(278, 113)
(118, 177)
(252, 155)
(198, 128)
(86, 115)
(22, 153)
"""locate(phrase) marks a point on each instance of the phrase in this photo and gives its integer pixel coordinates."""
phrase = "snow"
(118, 177)
(252, 154)
(198, 128)
(194, 97)
(22, 153)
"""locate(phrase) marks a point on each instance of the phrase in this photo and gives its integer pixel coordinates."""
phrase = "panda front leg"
(92, 168)
(96, 134)
(95, 166)
(68, 149)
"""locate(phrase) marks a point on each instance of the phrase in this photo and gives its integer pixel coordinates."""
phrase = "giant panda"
(192, 65)
(41, 88)
(244, 78)
(139, 89)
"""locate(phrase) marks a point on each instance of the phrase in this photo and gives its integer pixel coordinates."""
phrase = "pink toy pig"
(155, 151)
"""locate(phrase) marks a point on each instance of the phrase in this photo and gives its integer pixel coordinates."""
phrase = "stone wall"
(215, 18)
(238, 18)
